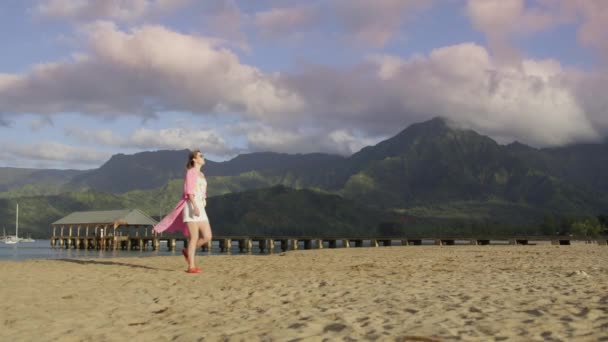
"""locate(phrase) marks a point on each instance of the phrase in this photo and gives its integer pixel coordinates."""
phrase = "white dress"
(199, 192)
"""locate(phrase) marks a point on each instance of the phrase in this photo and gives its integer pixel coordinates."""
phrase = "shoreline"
(41, 250)
(434, 292)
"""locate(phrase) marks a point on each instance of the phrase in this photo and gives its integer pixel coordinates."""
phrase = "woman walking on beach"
(189, 216)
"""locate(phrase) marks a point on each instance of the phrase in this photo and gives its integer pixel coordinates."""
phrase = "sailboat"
(27, 239)
(10, 240)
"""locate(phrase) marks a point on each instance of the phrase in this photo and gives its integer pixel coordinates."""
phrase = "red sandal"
(194, 270)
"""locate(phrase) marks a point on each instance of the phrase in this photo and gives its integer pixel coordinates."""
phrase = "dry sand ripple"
(416, 293)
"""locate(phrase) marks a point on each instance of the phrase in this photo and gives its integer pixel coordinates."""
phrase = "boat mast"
(17, 223)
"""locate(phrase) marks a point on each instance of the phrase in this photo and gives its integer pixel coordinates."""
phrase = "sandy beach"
(415, 293)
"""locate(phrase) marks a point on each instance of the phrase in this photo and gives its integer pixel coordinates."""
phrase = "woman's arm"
(194, 206)
(189, 189)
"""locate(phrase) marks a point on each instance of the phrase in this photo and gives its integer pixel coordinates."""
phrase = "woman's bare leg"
(193, 230)
(205, 233)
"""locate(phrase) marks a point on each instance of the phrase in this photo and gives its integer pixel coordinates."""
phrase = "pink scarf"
(174, 221)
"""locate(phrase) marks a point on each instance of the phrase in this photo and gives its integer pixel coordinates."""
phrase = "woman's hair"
(191, 157)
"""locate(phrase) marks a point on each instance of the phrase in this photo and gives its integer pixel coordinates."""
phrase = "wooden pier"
(131, 229)
(246, 244)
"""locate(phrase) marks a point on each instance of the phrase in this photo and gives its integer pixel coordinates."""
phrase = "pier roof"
(129, 217)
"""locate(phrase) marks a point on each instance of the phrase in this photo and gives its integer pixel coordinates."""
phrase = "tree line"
(585, 226)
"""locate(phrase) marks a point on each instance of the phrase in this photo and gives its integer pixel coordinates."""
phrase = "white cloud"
(151, 70)
(593, 31)
(104, 137)
(148, 139)
(589, 89)
(366, 22)
(143, 72)
(225, 19)
(6, 80)
(177, 138)
(388, 65)
(500, 20)
(87, 10)
(54, 153)
(375, 22)
(498, 17)
(537, 102)
(339, 141)
(41, 122)
(277, 22)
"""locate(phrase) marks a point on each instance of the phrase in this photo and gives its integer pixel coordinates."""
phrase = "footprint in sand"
(534, 312)
(579, 273)
(415, 338)
(334, 327)
(297, 325)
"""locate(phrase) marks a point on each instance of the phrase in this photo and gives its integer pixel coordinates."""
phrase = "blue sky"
(81, 80)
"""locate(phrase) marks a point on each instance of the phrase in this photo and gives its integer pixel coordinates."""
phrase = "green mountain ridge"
(426, 168)
(282, 211)
(25, 180)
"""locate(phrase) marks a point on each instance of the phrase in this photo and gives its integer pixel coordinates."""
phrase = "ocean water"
(41, 249)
